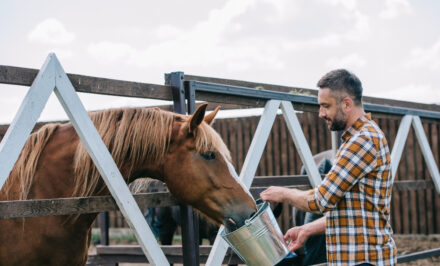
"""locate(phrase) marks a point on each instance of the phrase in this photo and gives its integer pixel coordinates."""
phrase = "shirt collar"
(357, 125)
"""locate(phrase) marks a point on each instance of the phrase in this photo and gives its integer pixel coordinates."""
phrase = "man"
(355, 195)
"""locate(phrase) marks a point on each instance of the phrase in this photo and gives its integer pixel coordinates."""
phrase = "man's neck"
(353, 116)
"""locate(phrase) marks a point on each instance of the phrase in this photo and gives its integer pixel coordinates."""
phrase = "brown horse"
(183, 151)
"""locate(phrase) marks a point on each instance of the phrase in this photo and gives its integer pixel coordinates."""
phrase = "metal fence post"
(104, 223)
(190, 239)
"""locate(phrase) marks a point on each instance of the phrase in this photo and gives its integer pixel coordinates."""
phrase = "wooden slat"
(233, 141)
(247, 137)
(133, 253)
(25, 76)
(412, 185)
(413, 199)
(276, 147)
(435, 196)
(418, 255)
(67, 206)
(284, 148)
(265, 181)
(428, 195)
(240, 149)
(268, 156)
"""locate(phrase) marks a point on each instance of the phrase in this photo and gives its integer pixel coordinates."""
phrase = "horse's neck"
(54, 174)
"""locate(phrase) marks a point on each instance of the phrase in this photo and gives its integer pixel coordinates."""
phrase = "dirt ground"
(416, 243)
(405, 244)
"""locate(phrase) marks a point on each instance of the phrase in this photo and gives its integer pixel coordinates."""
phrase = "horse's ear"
(210, 117)
(197, 117)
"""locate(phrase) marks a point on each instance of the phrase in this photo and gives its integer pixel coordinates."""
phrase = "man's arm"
(294, 197)
(299, 234)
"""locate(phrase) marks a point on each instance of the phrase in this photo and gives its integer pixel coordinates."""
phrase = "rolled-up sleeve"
(356, 159)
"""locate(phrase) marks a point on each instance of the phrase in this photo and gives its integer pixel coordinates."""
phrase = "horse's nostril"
(231, 225)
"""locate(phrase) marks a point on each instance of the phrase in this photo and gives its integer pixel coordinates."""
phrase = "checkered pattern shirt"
(356, 195)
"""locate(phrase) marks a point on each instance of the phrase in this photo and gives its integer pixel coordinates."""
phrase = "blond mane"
(135, 135)
(24, 170)
(131, 135)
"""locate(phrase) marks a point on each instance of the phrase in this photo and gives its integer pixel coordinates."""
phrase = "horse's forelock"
(207, 139)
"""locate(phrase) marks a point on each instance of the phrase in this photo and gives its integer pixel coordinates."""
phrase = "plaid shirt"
(356, 195)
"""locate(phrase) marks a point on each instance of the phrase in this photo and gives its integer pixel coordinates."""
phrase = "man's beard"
(339, 122)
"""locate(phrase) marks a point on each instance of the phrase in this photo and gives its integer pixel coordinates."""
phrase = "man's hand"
(274, 194)
(297, 236)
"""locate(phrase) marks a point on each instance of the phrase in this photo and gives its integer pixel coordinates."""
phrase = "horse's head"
(198, 171)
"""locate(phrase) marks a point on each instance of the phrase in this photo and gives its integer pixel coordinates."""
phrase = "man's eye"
(208, 156)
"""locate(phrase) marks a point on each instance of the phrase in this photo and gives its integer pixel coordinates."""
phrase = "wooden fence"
(415, 205)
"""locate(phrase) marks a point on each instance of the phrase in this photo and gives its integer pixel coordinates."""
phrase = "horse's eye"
(208, 156)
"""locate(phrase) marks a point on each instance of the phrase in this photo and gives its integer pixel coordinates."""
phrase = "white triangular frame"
(255, 152)
(399, 144)
(50, 78)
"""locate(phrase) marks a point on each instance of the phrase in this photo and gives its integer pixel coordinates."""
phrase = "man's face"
(331, 110)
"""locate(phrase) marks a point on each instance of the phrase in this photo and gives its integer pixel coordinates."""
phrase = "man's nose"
(321, 113)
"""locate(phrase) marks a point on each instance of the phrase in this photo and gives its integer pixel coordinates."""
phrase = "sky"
(393, 46)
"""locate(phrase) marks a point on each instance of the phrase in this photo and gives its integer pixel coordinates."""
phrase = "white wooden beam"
(248, 171)
(107, 167)
(258, 143)
(399, 143)
(301, 143)
(334, 137)
(26, 117)
(427, 152)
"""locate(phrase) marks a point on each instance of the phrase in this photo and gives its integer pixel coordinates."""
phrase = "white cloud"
(348, 4)
(349, 61)
(395, 8)
(423, 93)
(168, 31)
(203, 44)
(361, 29)
(425, 57)
(51, 31)
(328, 40)
(284, 9)
(109, 52)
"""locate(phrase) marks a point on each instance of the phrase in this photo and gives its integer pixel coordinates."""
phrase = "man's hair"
(342, 80)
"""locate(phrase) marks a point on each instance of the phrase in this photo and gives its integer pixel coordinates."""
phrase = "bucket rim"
(248, 222)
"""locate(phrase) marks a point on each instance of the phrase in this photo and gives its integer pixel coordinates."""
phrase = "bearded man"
(355, 196)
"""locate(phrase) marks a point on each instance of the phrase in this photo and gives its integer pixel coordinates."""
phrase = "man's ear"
(209, 119)
(197, 118)
(347, 103)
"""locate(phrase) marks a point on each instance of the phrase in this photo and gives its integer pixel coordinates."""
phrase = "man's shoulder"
(371, 130)
(369, 134)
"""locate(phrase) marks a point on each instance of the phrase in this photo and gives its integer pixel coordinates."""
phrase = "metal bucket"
(260, 241)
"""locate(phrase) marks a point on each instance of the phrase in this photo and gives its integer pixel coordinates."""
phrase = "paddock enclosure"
(415, 202)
